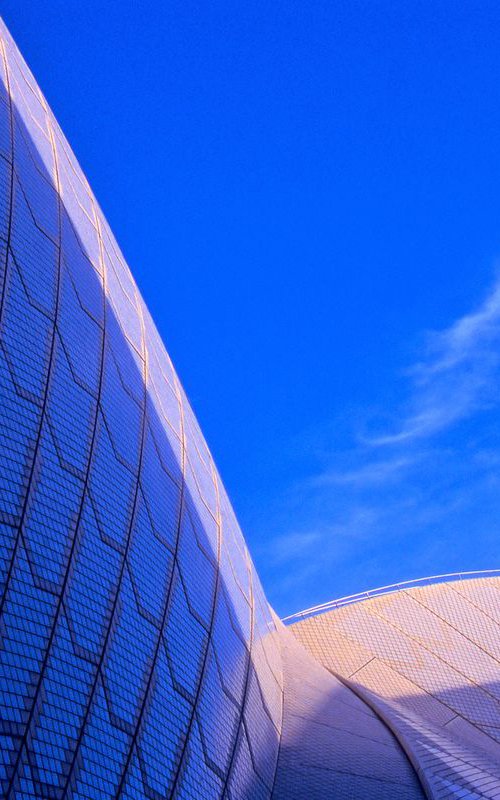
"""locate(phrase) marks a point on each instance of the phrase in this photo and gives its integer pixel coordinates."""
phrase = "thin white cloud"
(405, 502)
(458, 375)
(371, 474)
(292, 545)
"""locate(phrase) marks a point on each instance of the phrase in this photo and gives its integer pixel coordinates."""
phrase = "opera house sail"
(139, 657)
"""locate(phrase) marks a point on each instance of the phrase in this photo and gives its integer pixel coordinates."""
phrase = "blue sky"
(308, 196)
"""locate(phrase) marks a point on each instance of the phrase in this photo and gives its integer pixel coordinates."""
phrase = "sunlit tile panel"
(333, 744)
(427, 660)
(139, 657)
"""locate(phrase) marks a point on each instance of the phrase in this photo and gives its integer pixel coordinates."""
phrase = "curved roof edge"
(382, 590)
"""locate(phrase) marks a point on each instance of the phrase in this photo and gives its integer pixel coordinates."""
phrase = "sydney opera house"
(139, 656)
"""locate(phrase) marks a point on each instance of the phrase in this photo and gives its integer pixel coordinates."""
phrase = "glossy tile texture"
(139, 657)
(427, 660)
(138, 654)
(333, 745)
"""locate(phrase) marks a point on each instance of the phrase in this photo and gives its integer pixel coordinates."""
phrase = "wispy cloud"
(404, 501)
(376, 472)
(457, 376)
(293, 545)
